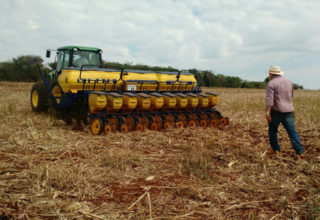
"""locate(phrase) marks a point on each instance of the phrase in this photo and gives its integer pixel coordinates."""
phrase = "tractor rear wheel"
(57, 92)
(39, 97)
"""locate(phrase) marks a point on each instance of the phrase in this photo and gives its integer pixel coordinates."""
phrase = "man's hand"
(268, 116)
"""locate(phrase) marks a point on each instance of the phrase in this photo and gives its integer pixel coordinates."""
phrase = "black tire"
(67, 120)
(39, 97)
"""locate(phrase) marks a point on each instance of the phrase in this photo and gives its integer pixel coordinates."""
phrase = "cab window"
(82, 57)
(60, 60)
(66, 59)
(63, 60)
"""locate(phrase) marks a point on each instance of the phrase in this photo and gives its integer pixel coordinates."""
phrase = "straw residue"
(49, 170)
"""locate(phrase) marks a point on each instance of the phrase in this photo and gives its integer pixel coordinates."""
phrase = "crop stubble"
(50, 170)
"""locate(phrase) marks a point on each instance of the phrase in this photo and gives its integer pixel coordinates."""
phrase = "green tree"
(296, 86)
(130, 65)
(53, 65)
(20, 69)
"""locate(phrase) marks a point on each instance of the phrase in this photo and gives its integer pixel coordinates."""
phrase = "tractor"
(116, 99)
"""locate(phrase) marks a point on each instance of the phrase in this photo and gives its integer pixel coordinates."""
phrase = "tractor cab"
(77, 57)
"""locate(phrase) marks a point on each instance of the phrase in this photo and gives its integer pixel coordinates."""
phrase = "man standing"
(279, 109)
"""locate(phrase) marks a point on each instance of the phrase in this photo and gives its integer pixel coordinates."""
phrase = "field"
(49, 170)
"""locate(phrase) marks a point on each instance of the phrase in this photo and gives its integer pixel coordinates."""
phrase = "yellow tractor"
(112, 99)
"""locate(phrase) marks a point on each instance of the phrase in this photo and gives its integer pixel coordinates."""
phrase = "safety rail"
(96, 81)
(181, 84)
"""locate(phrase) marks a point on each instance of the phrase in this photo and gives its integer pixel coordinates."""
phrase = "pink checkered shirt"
(279, 94)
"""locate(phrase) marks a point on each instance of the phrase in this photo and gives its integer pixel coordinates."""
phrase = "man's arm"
(269, 101)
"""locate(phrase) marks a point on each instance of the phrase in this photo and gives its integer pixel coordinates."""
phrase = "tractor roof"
(80, 48)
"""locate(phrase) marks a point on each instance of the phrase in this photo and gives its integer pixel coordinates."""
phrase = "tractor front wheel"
(39, 97)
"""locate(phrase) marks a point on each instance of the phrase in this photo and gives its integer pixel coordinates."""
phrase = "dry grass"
(50, 171)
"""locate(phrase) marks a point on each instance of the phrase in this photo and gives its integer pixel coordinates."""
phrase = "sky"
(232, 37)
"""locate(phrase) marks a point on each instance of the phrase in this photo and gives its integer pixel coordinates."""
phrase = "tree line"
(22, 69)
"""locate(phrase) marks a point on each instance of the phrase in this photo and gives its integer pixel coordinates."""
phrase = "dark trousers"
(287, 119)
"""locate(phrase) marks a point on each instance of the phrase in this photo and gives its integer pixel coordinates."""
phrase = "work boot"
(272, 152)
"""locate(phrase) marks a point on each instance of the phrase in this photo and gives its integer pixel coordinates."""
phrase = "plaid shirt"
(279, 94)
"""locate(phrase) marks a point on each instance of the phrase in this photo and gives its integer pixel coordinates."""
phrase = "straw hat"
(275, 70)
